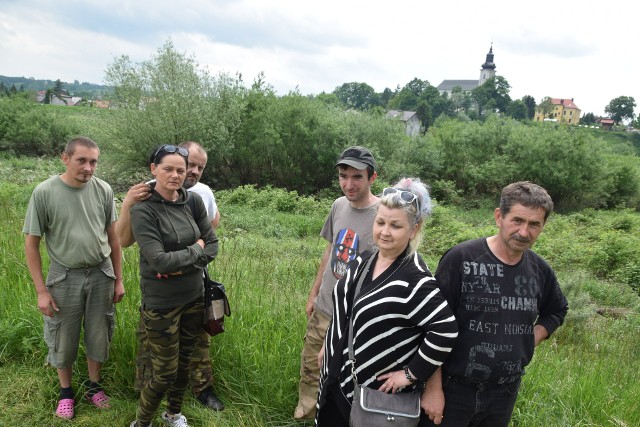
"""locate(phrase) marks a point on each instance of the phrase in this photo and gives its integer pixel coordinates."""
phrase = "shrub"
(479, 159)
(612, 252)
(623, 182)
(30, 129)
(581, 306)
(289, 215)
(286, 201)
(444, 230)
(238, 196)
(446, 192)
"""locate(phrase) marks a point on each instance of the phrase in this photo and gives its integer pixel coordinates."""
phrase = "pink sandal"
(99, 400)
(65, 409)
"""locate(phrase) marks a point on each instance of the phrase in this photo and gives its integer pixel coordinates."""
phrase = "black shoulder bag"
(216, 303)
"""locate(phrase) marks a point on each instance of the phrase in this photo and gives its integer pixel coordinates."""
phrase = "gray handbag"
(373, 408)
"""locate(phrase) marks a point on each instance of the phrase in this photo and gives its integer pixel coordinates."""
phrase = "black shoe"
(210, 400)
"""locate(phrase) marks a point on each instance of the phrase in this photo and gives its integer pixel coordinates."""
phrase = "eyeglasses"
(406, 196)
(168, 148)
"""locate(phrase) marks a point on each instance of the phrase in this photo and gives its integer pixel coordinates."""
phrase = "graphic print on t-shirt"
(498, 307)
(345, 249)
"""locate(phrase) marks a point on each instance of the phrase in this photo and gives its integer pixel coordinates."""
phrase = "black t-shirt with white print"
(496, 306)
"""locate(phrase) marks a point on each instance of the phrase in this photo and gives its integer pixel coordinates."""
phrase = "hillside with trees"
(472, 144)
(23, 84)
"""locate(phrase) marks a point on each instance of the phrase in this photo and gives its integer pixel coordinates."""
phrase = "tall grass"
(585, 375)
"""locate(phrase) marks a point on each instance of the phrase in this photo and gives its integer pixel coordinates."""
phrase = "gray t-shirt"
(74, 221)
(351, 232)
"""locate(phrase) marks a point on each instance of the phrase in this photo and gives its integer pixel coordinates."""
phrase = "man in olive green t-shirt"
(75, 212)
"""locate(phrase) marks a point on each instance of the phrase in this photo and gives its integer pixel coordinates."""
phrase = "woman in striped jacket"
(403, 328)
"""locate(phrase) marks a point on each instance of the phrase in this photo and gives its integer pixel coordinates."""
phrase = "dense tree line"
(576, 168)
(10, 91)
(254, 136)
(425, 99)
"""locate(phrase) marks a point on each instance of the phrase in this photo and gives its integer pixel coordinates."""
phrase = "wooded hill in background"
(85, 89)
(253, 136)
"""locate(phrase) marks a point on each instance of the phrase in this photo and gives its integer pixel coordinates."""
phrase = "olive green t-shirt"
(73, 221)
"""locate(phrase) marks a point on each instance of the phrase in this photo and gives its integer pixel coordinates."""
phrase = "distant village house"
(564, 111)
(58, 99)
(69, 101)
(606, 124)
(409, 118)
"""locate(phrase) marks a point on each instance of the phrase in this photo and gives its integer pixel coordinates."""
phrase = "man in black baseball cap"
(349, 232)
(357, 157)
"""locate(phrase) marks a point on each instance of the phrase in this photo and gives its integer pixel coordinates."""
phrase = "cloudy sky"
(584, 50)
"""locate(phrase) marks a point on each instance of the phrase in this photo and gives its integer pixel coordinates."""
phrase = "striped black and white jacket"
(401, 318)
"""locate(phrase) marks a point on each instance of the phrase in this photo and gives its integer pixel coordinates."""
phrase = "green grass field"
(585, 375)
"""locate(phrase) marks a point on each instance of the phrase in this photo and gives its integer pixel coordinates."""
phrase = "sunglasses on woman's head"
(168, 148)
(405, 196)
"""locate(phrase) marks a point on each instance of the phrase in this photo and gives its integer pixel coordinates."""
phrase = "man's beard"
(189, 182)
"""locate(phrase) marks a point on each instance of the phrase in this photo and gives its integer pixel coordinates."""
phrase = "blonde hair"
(416, 211)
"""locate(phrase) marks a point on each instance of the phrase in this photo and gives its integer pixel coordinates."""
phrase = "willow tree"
(169, 99)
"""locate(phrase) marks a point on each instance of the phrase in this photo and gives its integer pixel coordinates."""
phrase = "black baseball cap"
(357, 157)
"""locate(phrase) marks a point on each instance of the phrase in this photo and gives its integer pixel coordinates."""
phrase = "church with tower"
(487, 71)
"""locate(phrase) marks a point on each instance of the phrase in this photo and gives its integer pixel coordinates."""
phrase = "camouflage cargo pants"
(171, 335)
(200, 373)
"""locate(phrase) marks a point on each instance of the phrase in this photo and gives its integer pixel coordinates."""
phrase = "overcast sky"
(585, 50)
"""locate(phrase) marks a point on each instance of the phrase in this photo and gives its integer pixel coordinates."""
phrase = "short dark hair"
(370, 171)
(80, 140)
(526, 194)
(157, 154)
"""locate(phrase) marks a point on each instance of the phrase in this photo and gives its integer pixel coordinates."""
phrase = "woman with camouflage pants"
(174, 249)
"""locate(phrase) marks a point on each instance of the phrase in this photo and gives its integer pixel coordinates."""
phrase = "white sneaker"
(178, 420)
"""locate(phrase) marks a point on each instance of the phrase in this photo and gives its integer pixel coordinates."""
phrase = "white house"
(410, 119)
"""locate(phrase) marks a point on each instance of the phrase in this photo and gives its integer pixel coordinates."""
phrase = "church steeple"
(488, 69)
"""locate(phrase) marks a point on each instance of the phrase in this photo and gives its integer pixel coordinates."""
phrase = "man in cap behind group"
(349, 232)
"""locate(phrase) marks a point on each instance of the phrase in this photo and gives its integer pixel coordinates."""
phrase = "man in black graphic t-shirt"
(506, 300)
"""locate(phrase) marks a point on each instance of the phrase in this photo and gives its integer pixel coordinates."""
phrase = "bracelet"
(408, 374)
